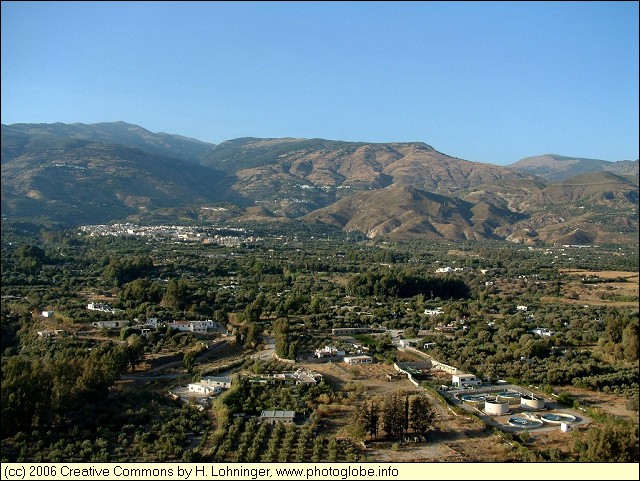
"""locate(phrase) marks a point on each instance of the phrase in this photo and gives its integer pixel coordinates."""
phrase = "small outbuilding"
(273, 417)
(358, 359)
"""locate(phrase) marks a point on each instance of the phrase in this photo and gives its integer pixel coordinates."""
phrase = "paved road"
(268, 352)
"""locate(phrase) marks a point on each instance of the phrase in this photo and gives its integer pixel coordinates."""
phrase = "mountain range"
(76, 174)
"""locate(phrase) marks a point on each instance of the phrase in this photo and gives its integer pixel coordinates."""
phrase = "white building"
(200, 327)
(447, 270)
(199, 388)
(465, 380)
(153, 322)
(434, 312)
(351, 360)
(543, 331)
(97, 306)
(328, 351)
(521, 308)
(442, 270)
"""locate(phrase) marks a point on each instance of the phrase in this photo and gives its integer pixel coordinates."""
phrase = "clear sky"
(485, 81)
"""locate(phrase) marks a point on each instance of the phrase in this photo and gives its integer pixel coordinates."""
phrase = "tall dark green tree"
(177, 294)
(393, 419)
(422, 415)
(281, 334)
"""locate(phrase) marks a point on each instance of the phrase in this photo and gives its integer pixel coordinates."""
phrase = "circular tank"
(525, 423)
(512, 397)
(476, 400)
(496, 407)
(558, 418)
(531, 402)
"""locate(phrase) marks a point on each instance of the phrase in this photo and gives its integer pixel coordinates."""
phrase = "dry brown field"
(607, 292)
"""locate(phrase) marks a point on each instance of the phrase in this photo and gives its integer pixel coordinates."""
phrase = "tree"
(393, 415)
(189, 359)
(135, 349)
(422, 415)
(254, 310)
(281, 334)
(138, 292)
(365, 421)
(177, 294)
(26, 390)
(292, 350)
(30, 258)
(630, 341)
(247, 334)
(615, 441)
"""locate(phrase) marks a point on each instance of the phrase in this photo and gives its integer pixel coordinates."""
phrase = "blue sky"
(485, 81)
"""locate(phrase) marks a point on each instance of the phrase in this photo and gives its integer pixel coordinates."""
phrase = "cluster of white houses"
(198, 327)
(447, 270)
(297, 378)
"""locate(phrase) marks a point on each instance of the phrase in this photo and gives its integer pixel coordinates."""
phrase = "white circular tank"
(531, 402)
(495, 407)
(512, 397)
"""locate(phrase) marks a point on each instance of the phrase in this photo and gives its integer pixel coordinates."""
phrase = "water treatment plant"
(511, 407)
(501, 402)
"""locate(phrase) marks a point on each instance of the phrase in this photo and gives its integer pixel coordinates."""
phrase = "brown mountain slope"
(594, 208)
(87, 182)
(293, 177)
(407, 212)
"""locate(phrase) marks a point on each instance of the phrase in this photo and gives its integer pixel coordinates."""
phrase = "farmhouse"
(202, 389)
(200, 327)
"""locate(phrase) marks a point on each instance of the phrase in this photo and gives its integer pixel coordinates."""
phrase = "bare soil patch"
(608, 402)
(599, 288)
